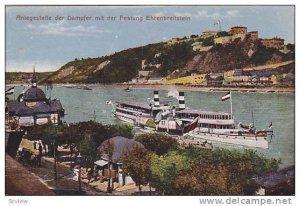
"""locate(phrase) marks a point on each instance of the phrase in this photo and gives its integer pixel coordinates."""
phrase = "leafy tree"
(223, 172)
(223, 33)
(263, 54)
(87, 148)
(175, 57)
(48, 134)
(158, 143)
(194, 36)
(200, 39)
(208, 41)
(74, 133)
(108, 150)
(136, 163)
(120, 130)
(290, 47)
(164, 171)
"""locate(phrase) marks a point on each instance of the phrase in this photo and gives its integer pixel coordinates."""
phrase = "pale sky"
(49, 44)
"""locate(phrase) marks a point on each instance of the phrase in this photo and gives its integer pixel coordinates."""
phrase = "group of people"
(38, 146)
(89, 173)
(27, 157)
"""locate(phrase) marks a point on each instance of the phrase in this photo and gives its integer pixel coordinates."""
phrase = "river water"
(278, 108)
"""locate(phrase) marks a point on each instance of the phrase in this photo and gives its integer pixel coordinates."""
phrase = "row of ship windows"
(137, 110)
(214, 126)
(202, 116)
(130, 113)
(206, 116)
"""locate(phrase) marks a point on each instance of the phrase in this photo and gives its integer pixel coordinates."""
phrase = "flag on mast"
(10, 91)
(217, 22)
(226, 96)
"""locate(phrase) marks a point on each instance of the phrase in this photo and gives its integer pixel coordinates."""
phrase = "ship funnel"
(181, 101)
(156, 99)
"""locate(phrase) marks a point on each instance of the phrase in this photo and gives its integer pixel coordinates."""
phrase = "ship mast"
(231, 105)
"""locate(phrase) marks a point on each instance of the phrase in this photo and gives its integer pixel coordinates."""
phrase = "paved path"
(20, 181)
(64, 185)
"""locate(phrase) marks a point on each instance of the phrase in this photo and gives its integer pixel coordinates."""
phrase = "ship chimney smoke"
(156, 99)
(181, 101)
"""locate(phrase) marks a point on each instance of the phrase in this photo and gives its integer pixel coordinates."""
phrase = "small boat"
(128, 89)
(85, 88)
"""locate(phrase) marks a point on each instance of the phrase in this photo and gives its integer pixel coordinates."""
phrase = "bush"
(158, 143)
(208, 41)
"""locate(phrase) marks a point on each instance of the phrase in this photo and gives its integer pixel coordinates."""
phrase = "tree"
(175, 56)
(47, 133)
(263, 54)
(223, 33)
(158, 143)
(52, 136)
(290, 47)
(208, 41)
(108, 150)
(120, 130)
(136, 163)
(74, 133)
(164, 171)
(194, 36)
(87, 148)
(223, 172)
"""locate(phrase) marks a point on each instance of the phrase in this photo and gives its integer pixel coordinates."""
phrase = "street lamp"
(54, 154)
(79, 174)
(71, 149)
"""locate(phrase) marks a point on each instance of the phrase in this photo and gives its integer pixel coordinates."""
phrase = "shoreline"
(179, 87)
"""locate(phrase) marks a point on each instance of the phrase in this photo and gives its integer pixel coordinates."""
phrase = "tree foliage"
(223, 172)
(157, 143)
(87, 148)
(108, 150)
(194, 36)
(263, 54)
(223, 33)
(164, 171)
(136, 163)
(175, 57)
(208, 41)
(75, 132)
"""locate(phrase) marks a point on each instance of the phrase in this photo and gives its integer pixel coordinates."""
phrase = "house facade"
(275, 42)
(238, 30)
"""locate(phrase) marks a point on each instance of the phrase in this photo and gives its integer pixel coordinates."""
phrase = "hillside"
(169, 59)
(24, 77)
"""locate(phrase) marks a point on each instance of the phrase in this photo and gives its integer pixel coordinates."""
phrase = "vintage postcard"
(178, 100)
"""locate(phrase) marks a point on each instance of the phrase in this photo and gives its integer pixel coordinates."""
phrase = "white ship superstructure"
(211, 126)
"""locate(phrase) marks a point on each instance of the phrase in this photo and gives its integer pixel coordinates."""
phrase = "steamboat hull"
(241, 140)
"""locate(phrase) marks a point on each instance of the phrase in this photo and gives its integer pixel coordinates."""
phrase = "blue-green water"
(277, 108)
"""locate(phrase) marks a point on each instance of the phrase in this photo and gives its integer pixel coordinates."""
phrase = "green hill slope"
(167, 59)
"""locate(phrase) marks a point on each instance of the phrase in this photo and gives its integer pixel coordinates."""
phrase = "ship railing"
(132, 109)
(230, 136)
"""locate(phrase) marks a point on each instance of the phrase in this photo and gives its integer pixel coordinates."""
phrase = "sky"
(49, 44)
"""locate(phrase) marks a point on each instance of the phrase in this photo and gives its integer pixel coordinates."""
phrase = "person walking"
(89, 174)
(95, 172)
(40, 154)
